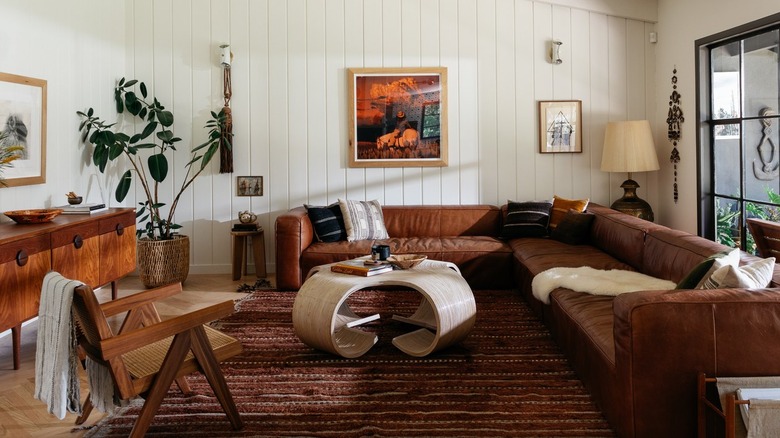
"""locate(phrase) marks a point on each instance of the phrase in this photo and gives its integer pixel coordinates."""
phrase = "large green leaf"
(209, 154)
(165, 135)
(165, 117)
(143, 90)
(149, 129)
(114, 151)
(158, 167)
(124, 186)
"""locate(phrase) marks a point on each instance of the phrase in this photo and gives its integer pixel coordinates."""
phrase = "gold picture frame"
(23, 119)
(397, 117)
(560, 126)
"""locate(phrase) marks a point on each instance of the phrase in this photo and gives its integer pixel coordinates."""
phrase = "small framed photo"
(560, 126)
(249, 186)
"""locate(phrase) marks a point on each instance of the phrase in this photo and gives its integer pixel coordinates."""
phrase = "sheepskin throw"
(594, 281)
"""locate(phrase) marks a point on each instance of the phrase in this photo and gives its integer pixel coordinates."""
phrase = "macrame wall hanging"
(225, 141)
(674, 120)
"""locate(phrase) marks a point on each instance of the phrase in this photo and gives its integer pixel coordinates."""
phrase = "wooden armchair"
(767, 236)
(148, 354)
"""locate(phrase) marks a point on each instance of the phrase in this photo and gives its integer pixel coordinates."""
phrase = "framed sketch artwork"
(23, 123)
(249, 186)
(560, 126)
(397, 117)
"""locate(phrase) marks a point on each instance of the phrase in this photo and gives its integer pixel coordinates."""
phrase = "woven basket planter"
(162, 262)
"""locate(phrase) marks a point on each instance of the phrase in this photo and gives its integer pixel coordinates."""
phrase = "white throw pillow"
(753, 276)
(730, 259)
(363, 220)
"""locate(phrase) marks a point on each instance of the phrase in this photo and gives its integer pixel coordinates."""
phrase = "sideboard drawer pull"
(78, 242)
(21, 257)
(120, 229)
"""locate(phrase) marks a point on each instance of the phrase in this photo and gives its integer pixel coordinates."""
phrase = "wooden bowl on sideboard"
(34, 216)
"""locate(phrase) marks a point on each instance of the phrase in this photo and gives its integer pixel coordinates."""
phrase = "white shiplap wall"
(290, 110)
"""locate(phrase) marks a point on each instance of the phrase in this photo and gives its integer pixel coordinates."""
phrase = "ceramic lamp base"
(631, 204)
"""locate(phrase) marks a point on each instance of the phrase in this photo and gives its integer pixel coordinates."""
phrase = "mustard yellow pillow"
(561, 206)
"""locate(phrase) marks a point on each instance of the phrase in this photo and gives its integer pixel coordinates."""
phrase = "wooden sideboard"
(96, 249)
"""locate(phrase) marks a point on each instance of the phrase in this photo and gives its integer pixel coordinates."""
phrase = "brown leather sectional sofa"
(638, 353)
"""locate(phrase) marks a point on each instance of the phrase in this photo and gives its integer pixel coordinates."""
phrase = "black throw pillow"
(328, 222)
(574, 228)
(526, 219)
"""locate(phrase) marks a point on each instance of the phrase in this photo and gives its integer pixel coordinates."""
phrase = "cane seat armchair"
(766, 235)
(147, 354)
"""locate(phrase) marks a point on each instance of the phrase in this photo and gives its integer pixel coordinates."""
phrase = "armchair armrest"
(130, 302)
(125, 342)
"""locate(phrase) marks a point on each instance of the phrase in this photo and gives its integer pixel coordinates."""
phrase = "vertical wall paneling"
(636, 79)
(468, 83)
(487, 101)
(410, 43)
(651, 188)
(525, 103)
(315, 102)
(355, 47)
(580, 55)
(161, 82)
(450, 175)
(544, 164)
(506, 98)
(429, 56)
(297, 93)
(280, 158)
(618, 84)
(563, 76)
(599, 104)
(336, 103)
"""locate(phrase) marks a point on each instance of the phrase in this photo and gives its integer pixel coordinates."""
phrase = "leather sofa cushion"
(619, 235)
(539, 254)
(442, 221)
(590, 314)
(671, 254)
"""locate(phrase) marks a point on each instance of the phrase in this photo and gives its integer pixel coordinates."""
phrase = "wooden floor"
(21, 415)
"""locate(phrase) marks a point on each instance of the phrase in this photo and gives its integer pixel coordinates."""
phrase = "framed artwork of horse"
(397, 117)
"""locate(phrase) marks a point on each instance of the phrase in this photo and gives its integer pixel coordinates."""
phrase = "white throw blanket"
(594, 281)
(56, 359)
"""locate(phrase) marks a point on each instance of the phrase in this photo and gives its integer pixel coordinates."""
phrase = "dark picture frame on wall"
(249, 186)
(23, 121)
(560, 126)
(397, 117)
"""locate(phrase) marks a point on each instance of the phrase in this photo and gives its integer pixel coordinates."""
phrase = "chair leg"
(165, 377)
(86, 409)
(181, 382)
(204, 353)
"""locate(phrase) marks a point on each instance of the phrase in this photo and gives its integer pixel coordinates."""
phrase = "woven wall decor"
(674, 120)
(226, 141)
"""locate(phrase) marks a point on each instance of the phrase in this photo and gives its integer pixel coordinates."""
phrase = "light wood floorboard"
(21, 415)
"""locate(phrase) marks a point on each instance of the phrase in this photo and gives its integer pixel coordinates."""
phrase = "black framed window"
(738, 91)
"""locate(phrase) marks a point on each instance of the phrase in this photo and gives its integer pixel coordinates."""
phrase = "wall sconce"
(225, 56)
(555, 52)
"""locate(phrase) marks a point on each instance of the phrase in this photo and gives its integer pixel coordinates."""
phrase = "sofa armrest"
(664, 338)
(294, 233)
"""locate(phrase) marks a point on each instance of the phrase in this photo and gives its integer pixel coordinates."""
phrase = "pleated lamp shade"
(629, 147)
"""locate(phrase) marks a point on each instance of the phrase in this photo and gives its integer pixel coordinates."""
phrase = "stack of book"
(87, 208)
(361, 267)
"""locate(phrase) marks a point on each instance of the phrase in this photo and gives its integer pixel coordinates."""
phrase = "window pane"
(726, 156)
(760, 73)
(725, 81)
(762, 163)
(727, 222)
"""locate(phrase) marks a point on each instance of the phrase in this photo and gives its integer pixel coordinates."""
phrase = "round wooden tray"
(35, 216)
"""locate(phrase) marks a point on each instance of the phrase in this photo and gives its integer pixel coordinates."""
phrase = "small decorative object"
(247, 217)
(769, 168)
(397, 117)
(560, 126)
(674, 120)
(555, 52)
(380, 252)
(74, 199)
(35, 216)
(23, 108)
(249, 186)
(406, 261)
(226, 140)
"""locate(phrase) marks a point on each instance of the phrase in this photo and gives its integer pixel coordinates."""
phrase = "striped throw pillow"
(363, 220)
(526, 219)
(328, 222)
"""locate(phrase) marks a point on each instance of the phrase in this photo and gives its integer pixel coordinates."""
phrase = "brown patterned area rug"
(508, 378)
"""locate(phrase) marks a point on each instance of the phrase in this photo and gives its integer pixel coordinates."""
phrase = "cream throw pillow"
(753, 276)
(363, 220)
(730, 259)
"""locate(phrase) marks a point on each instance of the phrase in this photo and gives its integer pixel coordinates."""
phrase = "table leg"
(258, 251)
(16, 336)
(238, 256)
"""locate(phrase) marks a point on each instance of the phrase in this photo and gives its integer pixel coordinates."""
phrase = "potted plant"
(163, 254)
(8, 153)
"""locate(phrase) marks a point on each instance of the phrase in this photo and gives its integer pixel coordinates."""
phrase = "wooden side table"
(240, 252)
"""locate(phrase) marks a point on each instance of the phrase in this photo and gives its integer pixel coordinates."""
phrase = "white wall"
(680, 24)
(78, 47)
(289, 95)
(290, 110)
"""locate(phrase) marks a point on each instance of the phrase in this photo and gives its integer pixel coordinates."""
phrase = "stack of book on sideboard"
(363, 268)
(83, 208)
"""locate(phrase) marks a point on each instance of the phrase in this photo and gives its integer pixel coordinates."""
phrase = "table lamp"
(629, 147)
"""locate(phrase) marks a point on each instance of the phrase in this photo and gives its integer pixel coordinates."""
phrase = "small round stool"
(241, 256)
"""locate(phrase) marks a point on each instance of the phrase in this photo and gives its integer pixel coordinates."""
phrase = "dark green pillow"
(698, 272)
(574, 228)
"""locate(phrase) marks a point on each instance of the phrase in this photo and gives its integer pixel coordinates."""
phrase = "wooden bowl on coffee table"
(406, 261)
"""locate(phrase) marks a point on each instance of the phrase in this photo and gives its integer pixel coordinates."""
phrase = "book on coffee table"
(359, 267)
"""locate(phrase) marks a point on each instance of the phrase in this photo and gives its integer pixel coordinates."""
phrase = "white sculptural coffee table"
(323, 320)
